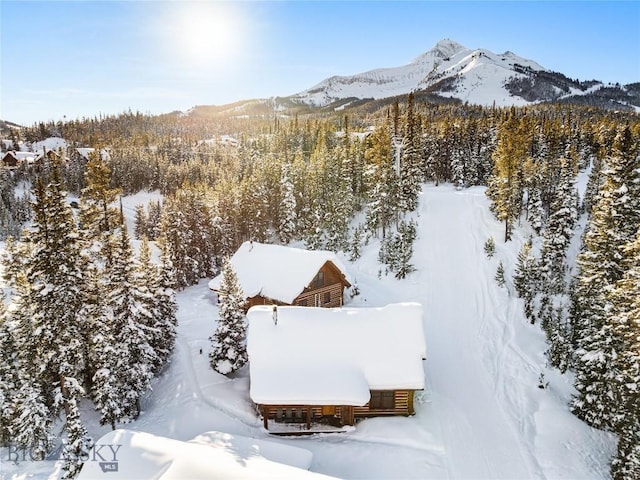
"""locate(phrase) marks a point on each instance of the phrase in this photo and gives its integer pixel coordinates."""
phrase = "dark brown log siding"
(403, 406)
(332, 290)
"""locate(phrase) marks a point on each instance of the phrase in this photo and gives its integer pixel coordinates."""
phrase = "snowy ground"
(482, 414)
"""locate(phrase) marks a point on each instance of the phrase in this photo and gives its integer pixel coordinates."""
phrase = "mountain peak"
(451, 70)
(445, 48)
(448, 47)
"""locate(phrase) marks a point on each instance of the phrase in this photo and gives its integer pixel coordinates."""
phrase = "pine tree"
(32, 425)
(52, 295)
(525, 278)
(76, 449)
(626, 464)
(382, 183)
(141, 227)
(133, 325)
(8, 375)
(558, 233)
(287, 224)
(614, 221)
(159, 299)
(229, 351)
(490, 247)
(505, 188)
(499, 277)
(410, 160)
(625, 306)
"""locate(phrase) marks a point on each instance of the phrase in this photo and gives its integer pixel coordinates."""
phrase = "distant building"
(12, 159)
(273, 274)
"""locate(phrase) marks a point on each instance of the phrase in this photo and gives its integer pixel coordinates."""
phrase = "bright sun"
(208, 33)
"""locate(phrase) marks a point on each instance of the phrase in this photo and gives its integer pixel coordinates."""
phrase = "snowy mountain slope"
(481, 415)
(476, 76)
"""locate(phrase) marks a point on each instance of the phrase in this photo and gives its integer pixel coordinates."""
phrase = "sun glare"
(207, 34)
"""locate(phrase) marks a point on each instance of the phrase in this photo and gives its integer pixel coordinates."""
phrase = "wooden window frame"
(382, 400)
(318, 280)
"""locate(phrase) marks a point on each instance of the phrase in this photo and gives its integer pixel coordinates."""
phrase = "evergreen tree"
(76, 449)
(524, 278)
(133, 325)
(287, 224)
(53, 296)
(141, 228)
(159, 299)
(154, 218)
(229, 351)
(499, 277)
(490, 247)
(614, 221)
(505, 186)
(625, 313)
(410, 160)
(558, 233)
(382, 183)
(8, 375)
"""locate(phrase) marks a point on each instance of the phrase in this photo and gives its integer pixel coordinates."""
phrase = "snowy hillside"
(477, 76)
(481, 415)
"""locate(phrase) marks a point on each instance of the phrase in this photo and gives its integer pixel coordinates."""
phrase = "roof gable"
(277, 272)
(318, 356)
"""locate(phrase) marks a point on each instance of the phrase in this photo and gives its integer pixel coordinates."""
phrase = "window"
(382, 400)
(327, 297)
(302, 303)
(318, 280)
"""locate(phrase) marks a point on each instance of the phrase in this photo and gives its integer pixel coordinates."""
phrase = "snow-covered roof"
(28, 157)
(211, 455)
(85, 152)
(334, 356)
(277, 272)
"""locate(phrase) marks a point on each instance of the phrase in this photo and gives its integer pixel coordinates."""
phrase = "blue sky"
(72, 59)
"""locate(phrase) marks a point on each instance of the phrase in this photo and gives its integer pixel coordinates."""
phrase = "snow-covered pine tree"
(357, 239)
(410, 159)
(141, 227)
(159, 300)
(132, 324)
(78, 444)
(403, 241)
(559, 232)
(107, 386)
(229, 350)
(490, 247)
(8, 375)
(499, 276)
(175, 238)
(626, 464)
(98, 216)
(31, 425)
(625, 312)
(614, 221)
(381, 181)
(287, 211)
(165, 309)
(154, 217)
(525, 278)
(54, 281)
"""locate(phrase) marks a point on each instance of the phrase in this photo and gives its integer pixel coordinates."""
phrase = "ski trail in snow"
(479, 439)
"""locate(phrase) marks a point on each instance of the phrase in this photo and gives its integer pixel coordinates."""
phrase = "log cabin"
(278, 275)
(312, 367)
(12, 159)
